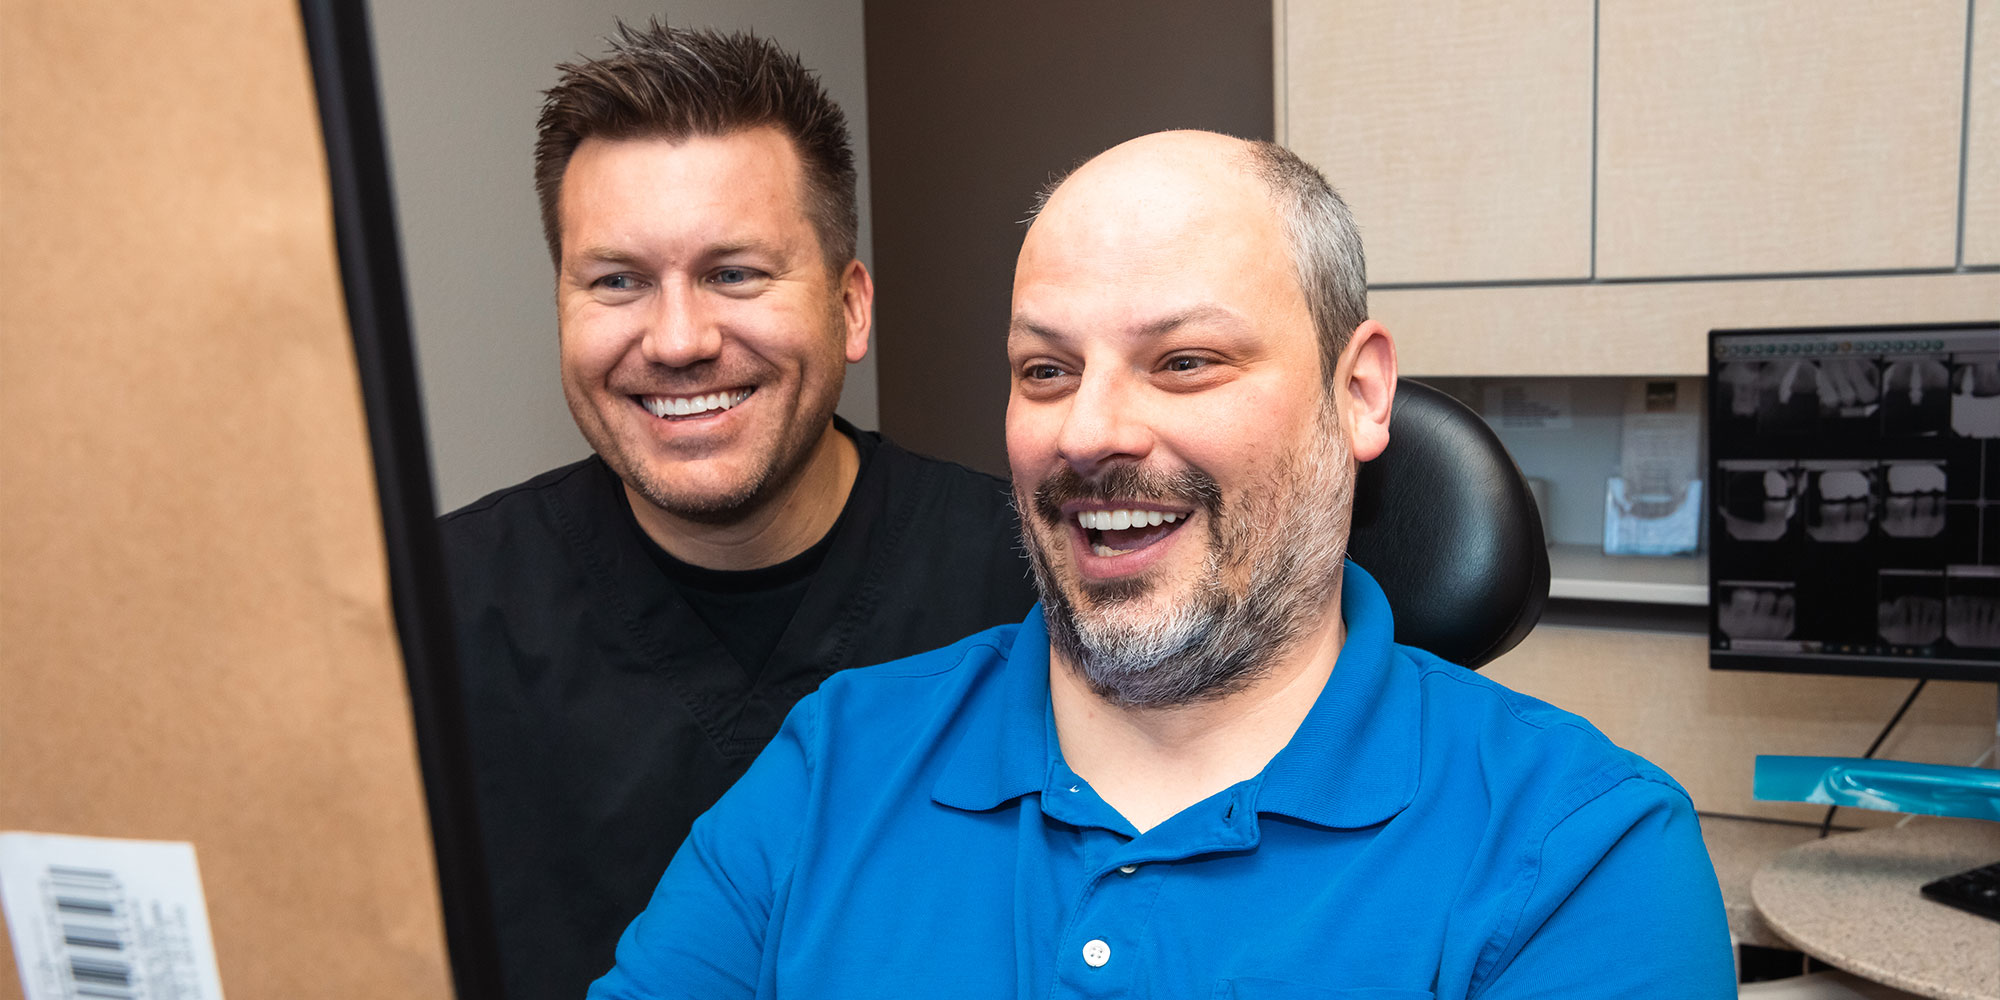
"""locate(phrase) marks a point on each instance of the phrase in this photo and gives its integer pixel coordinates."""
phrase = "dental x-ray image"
(1975, 397)
(1910, 609)
(1840, 500)
(1758, 499)
(1915, 505)
(1972, 607)
(1757, 610)
(1855, 521)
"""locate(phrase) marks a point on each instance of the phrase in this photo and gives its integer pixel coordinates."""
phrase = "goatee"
(1286, 538)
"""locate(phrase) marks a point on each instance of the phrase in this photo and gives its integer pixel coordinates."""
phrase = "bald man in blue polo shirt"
(1201, 767)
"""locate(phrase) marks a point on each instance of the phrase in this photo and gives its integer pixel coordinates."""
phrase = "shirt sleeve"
(1622, 902)
(702, 935)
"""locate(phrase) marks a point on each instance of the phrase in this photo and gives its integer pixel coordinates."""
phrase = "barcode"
(90, 910)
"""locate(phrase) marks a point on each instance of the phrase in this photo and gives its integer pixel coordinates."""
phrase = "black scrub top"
(605, 715)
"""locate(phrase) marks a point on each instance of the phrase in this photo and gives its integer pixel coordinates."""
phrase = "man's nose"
(1104, 425)
(679, 332)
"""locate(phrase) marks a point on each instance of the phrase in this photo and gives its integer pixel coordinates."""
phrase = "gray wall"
(971, 107)
(461, 86)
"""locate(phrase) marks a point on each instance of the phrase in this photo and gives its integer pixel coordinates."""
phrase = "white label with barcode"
(99, 919)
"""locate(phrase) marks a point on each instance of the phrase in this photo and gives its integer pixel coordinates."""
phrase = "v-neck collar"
(737, 713)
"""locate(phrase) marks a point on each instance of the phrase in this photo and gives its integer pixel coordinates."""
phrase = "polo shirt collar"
(1355, 758)
(1008, 740)
(1353, 762)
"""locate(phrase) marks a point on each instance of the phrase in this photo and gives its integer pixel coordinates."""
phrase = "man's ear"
(1367, 386)
(857, 308)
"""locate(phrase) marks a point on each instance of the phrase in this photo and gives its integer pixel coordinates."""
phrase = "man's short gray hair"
(1325, 248)
(1325, 245)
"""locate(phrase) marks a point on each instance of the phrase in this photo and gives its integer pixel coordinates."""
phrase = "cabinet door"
(1982, 141)
(1778, 136)
(1458, 131)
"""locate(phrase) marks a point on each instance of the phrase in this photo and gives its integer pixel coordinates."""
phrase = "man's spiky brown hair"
(678, 83)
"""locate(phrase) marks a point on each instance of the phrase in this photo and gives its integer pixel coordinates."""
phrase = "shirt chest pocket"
(1276, 989)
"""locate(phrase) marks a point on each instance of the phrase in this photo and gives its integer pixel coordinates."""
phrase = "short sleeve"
(1621, 901)
(702, 935)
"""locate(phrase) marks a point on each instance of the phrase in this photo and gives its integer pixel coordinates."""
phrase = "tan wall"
(1654, 694)
(195, 641)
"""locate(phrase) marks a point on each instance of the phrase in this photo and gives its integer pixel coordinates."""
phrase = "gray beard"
(1213, 643)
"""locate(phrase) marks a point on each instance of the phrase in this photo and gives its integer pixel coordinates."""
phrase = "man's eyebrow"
(1031, 328)
(1151, 328)
(1193, 314)
(743, 246)
(609, 255)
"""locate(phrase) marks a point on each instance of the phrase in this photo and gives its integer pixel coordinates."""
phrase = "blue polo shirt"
(914, 832)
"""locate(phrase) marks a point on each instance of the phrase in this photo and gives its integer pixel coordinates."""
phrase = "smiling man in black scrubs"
(633, 628)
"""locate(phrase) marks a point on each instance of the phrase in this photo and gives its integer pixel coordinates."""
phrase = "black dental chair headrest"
(1443, 519)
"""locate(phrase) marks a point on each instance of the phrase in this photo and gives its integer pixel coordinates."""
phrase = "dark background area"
(972, 108)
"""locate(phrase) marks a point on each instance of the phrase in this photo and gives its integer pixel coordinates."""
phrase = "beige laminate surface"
(1656, 328)
(1458, 131)
(1982, 147)
(1654, 694)
(1778, 136)
(1852, 901)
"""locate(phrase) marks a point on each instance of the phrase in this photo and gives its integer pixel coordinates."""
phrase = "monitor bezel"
(1846, 665)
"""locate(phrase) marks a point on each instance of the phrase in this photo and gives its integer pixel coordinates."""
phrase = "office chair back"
(1444, 520)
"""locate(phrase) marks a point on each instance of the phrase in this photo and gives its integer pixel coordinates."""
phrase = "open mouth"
(1119, 531)
(683, 407)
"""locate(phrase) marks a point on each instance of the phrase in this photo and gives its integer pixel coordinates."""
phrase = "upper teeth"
(1117, 519)
(681, 406)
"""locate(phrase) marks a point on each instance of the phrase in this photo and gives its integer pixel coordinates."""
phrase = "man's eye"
(618, 282)
(731, 276)
(1042, 373)
(1185, 364)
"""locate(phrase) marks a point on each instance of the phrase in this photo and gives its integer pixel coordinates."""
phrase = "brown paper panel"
(195, 638)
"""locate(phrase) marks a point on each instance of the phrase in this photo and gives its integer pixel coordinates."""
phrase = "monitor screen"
(1855, 520)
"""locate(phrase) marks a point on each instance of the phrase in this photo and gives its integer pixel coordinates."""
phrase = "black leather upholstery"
(1444, 521)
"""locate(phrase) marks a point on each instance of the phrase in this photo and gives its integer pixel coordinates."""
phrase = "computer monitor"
(1855, 512)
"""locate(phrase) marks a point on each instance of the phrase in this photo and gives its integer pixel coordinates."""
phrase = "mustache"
(705, 375)
(1192, 486)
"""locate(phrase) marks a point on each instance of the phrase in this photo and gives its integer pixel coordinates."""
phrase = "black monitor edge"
(340, 50)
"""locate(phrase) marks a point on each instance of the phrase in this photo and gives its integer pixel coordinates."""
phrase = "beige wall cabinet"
(1648, 327)
(1982, 141)
(1801, 160)
(1459, 131)
(1778, 136)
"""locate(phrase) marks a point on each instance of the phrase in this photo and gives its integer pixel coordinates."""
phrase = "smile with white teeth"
(688, 406)
(1116, 519)
(1117, 532)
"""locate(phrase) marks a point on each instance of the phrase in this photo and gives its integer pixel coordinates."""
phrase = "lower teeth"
(1101, 549)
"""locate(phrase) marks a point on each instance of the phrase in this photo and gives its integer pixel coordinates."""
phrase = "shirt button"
(1096, 953)
(1127, 869)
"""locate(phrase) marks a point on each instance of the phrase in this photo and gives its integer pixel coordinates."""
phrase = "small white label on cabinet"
(1527, 404)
